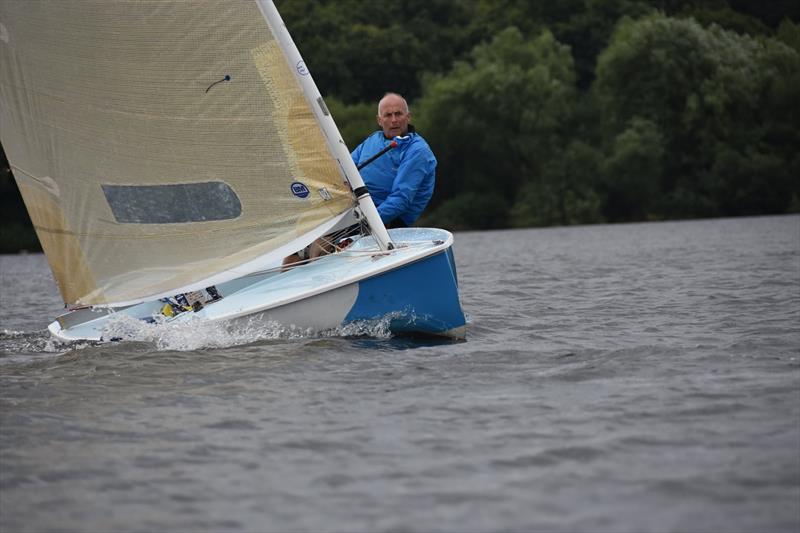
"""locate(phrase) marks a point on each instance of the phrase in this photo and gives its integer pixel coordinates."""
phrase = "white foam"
(199, 334)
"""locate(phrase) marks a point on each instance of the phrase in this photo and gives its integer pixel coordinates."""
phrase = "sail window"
(172, 204)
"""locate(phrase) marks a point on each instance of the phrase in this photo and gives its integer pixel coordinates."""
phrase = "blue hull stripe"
(421, 297)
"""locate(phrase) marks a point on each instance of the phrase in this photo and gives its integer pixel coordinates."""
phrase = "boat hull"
(411, 290)
(422, 297)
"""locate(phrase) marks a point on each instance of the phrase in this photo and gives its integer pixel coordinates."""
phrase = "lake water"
(620, 378)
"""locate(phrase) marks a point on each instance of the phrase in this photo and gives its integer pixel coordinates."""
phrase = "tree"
(589, 28)
(497, 119)
(357, 50)
(354, 121)
(566, 194)
(632, 172)
(712, 94)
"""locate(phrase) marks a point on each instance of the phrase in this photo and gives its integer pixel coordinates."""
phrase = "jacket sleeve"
(412, 170)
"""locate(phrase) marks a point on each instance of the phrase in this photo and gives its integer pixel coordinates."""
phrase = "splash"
(165, 335)
(378, 328)
(192, 334)
(22, 346)
(200, 334)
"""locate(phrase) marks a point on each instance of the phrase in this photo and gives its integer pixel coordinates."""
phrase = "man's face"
(393, 118)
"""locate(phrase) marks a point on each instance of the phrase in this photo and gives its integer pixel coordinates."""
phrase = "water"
(639, 377)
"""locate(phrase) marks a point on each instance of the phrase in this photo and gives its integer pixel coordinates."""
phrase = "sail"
(158, 144)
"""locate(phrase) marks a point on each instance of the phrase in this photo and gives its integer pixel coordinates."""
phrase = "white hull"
(415, 286)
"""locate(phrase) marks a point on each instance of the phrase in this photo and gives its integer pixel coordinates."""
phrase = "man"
(400, 181)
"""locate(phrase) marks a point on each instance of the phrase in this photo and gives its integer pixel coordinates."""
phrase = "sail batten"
(105, 102)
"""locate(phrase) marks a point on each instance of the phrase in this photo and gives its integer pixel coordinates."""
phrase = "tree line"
(570, 112)
(579, 111)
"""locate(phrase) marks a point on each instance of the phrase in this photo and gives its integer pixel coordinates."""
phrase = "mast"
(334, 139)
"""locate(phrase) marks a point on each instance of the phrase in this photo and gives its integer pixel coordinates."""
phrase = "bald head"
(393, 98)
(393, 115)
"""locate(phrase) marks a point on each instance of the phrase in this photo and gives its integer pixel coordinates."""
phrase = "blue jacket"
(400, 181)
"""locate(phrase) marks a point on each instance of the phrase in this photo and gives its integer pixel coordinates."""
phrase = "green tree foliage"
(716, 98)
(470, 210)
(588, 30)
(498, 118)
(565, 112)
(356, 48)
(16, 231)
(567, 192)
(771, 13)
(632, 172)
(354, 121)
(690, 102)
(789, 34)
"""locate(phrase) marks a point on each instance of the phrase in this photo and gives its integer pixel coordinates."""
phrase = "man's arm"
(410, 174)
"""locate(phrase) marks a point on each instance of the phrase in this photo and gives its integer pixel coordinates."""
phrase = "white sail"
(160, 146)
(332, 135)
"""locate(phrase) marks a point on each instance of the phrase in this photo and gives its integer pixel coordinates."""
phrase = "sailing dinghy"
(171, 153)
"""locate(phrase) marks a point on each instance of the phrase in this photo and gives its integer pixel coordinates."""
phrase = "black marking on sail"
(172, 204)
(227, 77)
